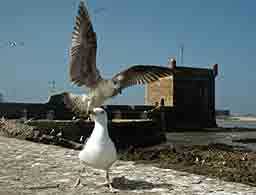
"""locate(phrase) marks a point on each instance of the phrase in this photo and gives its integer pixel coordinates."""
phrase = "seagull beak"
(91, 114)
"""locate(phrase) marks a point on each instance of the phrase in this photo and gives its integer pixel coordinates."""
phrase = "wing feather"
(83, 70)
(141, 74)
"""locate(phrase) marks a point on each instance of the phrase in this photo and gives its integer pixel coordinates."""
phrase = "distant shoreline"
(238, 118)
(244, 118)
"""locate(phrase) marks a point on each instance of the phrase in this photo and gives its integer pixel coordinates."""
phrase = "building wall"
(162, 89)
(194, 99)
(190, 93)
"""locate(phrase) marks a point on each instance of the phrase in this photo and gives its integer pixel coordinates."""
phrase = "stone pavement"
(32, 168)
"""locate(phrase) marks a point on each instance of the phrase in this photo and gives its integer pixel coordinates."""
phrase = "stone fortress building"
(189, 94)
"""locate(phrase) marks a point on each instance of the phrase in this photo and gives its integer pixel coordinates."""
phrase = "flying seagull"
(99, 151)
(83, 70)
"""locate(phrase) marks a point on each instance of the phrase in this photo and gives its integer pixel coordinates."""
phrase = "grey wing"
(83, 70)
(141, 74)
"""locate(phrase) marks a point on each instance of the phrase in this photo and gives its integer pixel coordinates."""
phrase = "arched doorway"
(162, 102)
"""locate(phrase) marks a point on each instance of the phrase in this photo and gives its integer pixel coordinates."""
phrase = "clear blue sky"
(130, 32)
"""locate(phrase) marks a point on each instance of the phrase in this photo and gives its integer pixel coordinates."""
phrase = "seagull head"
(99, 115)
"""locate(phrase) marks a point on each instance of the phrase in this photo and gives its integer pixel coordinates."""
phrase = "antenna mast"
(181, 53)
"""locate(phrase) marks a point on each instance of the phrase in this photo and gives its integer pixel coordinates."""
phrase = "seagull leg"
(78, 180)
(108, 181)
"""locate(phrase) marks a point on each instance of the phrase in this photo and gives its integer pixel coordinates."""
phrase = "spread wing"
(83, 70)
(141, 74)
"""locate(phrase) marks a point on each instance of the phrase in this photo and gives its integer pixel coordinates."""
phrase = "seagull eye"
(114, 82)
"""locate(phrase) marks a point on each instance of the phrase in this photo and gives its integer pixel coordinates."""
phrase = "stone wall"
(124, 133)
(195, 97)
(162, 89)
(19, 110)
(128, 125)
(191, 94)
(166, 118)
(173, 118)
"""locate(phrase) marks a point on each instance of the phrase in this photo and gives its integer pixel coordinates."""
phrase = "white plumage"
(99, 151)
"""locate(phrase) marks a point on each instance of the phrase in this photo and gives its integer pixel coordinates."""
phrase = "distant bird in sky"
(11, 43)
(83, 70)
(99, 151)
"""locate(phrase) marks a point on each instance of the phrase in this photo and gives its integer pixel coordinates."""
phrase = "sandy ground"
(32, 168)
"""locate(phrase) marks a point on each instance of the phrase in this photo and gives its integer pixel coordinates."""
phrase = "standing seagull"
(83, 70)
(99, 151)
